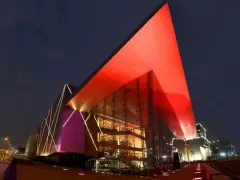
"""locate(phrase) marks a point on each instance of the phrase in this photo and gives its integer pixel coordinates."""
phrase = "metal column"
(140, 115)
(150, 133)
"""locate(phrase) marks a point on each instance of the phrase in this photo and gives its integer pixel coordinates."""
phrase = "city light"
(223, 154)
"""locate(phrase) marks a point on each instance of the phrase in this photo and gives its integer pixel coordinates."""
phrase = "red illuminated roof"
(152, 47)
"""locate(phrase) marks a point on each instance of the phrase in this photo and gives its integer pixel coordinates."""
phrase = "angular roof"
(153, 47)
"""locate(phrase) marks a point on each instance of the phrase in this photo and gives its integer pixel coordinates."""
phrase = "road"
(38, 171)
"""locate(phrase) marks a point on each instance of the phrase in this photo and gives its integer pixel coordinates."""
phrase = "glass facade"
(125, 106)
(130, 131)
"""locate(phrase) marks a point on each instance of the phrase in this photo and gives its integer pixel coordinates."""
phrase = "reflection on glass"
(123, 119)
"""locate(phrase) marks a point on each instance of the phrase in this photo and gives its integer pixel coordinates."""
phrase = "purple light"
(72, 136)
(59, 145)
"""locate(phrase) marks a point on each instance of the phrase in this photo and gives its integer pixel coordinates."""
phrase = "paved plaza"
(39, 171)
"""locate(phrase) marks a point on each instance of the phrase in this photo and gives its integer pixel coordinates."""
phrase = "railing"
(122, 145)
(123, 132)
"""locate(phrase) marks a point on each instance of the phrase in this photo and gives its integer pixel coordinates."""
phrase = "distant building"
(31, 146)
(199, 149)
(201, 131)
(222, 148)
(194, 149)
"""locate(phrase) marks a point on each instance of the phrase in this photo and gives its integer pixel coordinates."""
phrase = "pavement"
(3, 167)
(5, 160)
(230, 168)
(38, 171)
(186, 173)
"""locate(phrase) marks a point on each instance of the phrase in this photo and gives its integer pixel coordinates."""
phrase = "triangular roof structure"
(153, 47)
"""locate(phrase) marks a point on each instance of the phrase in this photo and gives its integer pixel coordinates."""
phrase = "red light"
(153, 47)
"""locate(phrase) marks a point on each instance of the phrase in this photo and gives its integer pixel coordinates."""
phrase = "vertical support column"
(187, 149)
(150, 127)
(140, 115)
(105, 113)
(157, 146)
(113, 118)
(125, 119)
(159, 140)
(98, 124)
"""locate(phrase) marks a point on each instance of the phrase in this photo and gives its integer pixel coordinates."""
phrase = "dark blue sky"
(45, 44)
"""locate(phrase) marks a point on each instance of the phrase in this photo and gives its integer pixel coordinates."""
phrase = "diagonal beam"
(40, 139)
(46, 121)
(69, 88)
(88, 130)
(69, 118)
(50, 134)
(97, 121)
(56, 116)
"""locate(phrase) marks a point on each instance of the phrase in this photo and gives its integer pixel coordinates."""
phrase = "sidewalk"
(27, 170)
(184, 174)
(215, 174)
(3, 167)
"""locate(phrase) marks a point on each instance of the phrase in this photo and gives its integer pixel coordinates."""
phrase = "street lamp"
(6, 138)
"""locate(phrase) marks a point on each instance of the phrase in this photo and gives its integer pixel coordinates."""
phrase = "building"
(201, 131)
(49, 129)
(222, 149)
(131, 108)
(31, 146)
(195, 149)
(200, 146)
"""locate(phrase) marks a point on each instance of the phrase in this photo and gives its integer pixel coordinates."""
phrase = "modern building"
(201, 131)
(31, 146)
(195, 149)
(48, 133)
(131, 108)
(223, 149)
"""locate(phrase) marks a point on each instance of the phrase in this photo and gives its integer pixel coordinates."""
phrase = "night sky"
(45, 44)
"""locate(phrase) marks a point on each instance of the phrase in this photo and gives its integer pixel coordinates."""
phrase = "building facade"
(194, 149)
(31, 146)
(132, 107)
(201, 131)
(223, 149)
(119, 127)
(49, 130)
